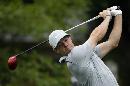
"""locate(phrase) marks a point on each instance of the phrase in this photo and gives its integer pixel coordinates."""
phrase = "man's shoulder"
(81, 51)
(83, 47)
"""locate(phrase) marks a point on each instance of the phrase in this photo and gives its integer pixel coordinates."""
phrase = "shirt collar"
(63, 59)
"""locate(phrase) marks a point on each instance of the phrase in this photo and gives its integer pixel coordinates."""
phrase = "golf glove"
(116, 12)
(113, 8)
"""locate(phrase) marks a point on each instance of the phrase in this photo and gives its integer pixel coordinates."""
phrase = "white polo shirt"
(84, 63)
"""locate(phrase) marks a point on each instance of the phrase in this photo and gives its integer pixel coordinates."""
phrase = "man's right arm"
(99, 32)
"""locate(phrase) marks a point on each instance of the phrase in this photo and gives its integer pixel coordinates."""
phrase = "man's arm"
(99, 32)
(114, 38)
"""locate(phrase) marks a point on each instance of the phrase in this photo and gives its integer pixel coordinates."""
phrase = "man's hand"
(116, 12)
(105, 13)
(113, 8)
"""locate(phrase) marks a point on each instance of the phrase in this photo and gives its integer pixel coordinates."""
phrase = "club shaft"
(94, 18)
(32, 47)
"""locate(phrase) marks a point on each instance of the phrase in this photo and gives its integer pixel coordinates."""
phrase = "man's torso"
(88, 68)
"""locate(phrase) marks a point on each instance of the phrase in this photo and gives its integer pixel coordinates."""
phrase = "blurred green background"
(24, 23)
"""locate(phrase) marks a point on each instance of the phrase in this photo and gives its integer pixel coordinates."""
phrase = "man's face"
(65, 45)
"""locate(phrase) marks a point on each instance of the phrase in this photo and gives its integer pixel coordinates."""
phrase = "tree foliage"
(33, 70)
(39, 18)
(36, 18)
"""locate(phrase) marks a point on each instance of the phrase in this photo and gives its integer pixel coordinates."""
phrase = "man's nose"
(65, 44)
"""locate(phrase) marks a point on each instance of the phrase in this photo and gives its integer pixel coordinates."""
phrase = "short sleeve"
(88, 45)
(81, 53)
(97, 51)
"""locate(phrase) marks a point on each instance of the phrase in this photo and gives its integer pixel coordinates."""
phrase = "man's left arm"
(114, 38)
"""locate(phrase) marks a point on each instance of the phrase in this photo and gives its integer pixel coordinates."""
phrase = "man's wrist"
(108, 16)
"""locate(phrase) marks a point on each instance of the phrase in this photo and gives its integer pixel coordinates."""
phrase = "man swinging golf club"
(84, 61)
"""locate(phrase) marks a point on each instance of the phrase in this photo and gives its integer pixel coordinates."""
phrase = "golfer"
(84, 61)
